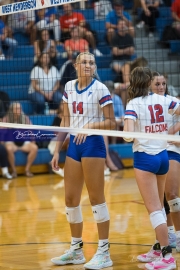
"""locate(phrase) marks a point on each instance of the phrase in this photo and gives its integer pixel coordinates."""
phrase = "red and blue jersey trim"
(172, 105)
(105, 99)
(65, 95)
(132, 113)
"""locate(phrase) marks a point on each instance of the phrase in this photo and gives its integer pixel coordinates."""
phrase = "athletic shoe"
(107, 172)
(152, 255)
(140, 25)
(7, 176)
(74, 255)
(172, 239)
(162, 263)
(60, 172)
(178, 244)
(97, 52)
(101, 259)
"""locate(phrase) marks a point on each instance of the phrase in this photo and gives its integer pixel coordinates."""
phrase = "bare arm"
(175, 17)
(129, 50)
(36, 87)
(129, 125)
(65, 122)
(56, 87)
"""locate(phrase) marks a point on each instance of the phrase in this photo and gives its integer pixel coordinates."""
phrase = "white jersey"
(85, 106)
(172, 121)
(150, 114)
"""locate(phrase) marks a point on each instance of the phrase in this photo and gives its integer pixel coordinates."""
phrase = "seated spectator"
(101, 9)
(76, 43)
(114, 16)
(149, 14)
(7, 40)
(122, 49)
(23, 22)
(69, 20)
(175, 8)
(16, 115)
(43, 45)
(44, 85)
(47, 20)
(118, 107)
(4, 162)
(120, 85)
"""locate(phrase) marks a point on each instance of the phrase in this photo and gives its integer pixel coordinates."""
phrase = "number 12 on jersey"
(77, 107)
(156, 113)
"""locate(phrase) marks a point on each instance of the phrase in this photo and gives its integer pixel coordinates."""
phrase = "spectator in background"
(76, 43)
(71, 19)
(122, 50)
(44, 44)
(175, 8)
(113, 18)
(47, 20)
(101, 9)
(4, 162)
(23, 22)
(121, 85)
(171, 89)
(149, 14)
(118, 107)
(7, 40)
(44, 85)
(16, 115)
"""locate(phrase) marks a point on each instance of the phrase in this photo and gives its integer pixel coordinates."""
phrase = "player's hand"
(80, 138)
(55, 162)
(174, 143)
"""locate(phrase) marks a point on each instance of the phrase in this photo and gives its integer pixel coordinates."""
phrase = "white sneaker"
(152, 255)
(151, 35)
(140, 25)
(71, 256)
(97, 52)
(107, 172)
(178, 244)
(7, 175)
(162, 263)
(100, 260)
(60, 172)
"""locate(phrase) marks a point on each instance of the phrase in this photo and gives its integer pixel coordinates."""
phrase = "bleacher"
(15, 74)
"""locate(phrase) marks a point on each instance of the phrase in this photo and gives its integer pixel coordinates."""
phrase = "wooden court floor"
(33, 226)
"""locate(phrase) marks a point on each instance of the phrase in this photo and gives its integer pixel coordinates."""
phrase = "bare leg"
(11, 149)
(94, 180)
(73, 182)
(149, 187)
(172, 189)
(31, 149)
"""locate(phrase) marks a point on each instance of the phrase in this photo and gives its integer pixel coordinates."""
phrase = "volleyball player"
(172, 186)
(87, 104)
(149, 114)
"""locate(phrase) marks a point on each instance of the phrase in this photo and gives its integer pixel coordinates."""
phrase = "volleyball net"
(32, 28)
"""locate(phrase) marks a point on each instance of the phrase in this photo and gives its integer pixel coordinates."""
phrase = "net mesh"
(30, 28)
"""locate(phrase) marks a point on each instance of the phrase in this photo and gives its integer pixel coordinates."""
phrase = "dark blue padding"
(88, 13)
(124, 150)
(21, 38)
(44, 120)
(98, 25)
(16, 93)
(162, 22)
(16, 65)
(44, 156)
(27, 107)
(175, 46)
(24, 51)
(14, 78)
(106, 74)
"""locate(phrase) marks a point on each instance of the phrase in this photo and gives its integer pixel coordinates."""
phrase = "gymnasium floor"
(33, 226)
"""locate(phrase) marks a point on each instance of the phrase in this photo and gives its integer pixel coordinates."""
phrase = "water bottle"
(46, 110)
